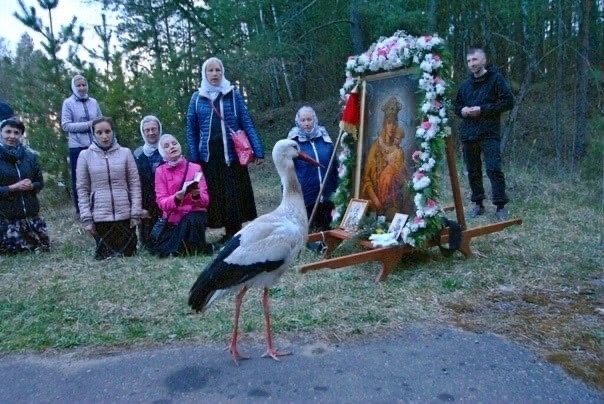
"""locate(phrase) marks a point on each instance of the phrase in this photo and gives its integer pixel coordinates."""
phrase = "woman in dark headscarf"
(21, 228)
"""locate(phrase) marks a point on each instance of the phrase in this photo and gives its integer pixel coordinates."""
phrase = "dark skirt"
(18, 235)
(145, 227)
(322, 220)
(188, 237)
(114, 239)
(230, 188)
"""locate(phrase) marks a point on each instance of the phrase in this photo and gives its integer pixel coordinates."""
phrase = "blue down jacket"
(199, 122)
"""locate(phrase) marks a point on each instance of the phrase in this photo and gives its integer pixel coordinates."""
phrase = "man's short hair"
(475, 49)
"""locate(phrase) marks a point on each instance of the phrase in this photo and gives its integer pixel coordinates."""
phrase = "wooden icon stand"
(389, 257)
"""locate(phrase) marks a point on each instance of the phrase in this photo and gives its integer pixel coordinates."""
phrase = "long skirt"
(17, 235)
(188, 237)
(230, 187)
(145, 227)
(114, 239)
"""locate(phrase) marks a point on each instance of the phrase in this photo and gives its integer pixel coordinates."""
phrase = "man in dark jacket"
(480, 101)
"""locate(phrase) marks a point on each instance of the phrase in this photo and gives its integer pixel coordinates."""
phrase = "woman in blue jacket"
(315, 141)
(213, 110)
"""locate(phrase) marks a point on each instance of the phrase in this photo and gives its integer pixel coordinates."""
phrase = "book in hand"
(188, 185)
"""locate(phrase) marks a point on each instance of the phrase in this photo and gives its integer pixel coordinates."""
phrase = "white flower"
(421, 183)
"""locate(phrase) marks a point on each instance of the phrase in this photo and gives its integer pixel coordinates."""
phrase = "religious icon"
(387, 142)
(354, 213)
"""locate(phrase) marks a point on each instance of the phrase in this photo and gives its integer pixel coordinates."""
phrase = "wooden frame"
(356, 210)
(386, 142)
(389, 257)
(398, 221)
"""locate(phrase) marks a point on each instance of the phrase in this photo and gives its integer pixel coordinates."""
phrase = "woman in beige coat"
(109, 192)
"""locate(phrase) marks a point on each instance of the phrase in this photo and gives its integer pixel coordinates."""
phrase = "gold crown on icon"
(391, 108)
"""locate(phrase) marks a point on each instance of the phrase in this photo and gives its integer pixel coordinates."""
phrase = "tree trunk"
(524, 89)
(432, 15)
(356, 35)
(582, 78)
(558, 83)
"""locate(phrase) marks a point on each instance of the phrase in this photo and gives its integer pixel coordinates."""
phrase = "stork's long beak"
(309, 159)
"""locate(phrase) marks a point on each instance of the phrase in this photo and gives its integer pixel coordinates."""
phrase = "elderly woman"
(182, 195)
(147, 159)
(314, 140)
(21, 229)
(79, 109)
(213, 110)
(109, 193)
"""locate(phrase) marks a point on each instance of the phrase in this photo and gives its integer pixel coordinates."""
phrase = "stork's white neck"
(293, 201)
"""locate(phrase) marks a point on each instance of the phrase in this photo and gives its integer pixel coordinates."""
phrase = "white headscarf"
(149, 148)
(208, 90)
(74, 90)
(315, 132)
(162, 152)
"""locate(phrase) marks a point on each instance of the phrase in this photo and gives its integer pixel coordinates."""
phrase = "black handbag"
(162, 222)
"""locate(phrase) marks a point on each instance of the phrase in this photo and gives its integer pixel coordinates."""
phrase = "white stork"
(260, 252)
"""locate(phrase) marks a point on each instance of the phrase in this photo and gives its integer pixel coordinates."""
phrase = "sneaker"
(477, 211)
(502, 214)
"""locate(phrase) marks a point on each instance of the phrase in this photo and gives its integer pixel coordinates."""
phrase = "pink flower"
(431, 203)
(436, 58)
(415, 155)
(437, 104)
(419, 175)
(428, 38)
(382, 52)
(426, 125)
(417, 220)
(438, 80)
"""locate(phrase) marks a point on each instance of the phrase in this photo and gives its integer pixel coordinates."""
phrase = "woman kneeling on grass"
(184, 207)
(109, 192)
(21, 229)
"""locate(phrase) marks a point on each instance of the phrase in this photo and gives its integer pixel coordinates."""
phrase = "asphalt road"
(417, 364)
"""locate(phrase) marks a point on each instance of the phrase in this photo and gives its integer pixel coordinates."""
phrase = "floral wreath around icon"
(428, 57)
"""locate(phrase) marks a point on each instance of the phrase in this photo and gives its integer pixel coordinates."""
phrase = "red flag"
(351, 117)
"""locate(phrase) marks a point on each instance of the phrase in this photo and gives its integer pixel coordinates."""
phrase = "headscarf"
(162, 152)
(149, 148)
(315, 132)
(15, 153)
(208, 90)
(74, 90)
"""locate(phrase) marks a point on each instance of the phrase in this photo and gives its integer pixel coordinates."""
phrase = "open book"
(186, 186)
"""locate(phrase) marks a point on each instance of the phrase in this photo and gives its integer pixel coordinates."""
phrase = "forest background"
(540, 283)
(281, 52)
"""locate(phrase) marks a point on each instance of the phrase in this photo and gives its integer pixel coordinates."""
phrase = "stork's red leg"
(233, 345)
(270, 351)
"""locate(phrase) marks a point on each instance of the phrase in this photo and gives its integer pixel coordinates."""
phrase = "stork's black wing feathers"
(220, 274)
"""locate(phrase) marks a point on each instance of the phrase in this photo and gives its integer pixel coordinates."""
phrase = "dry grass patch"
(539, 284)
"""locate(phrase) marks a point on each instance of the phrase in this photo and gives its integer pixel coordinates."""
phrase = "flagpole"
(349, 122)
(331, 159)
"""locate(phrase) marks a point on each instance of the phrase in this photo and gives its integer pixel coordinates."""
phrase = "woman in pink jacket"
(181, 193)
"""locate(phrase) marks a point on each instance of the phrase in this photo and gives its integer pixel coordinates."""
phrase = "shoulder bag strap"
(220, 116)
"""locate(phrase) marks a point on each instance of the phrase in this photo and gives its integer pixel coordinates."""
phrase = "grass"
(539, 284)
